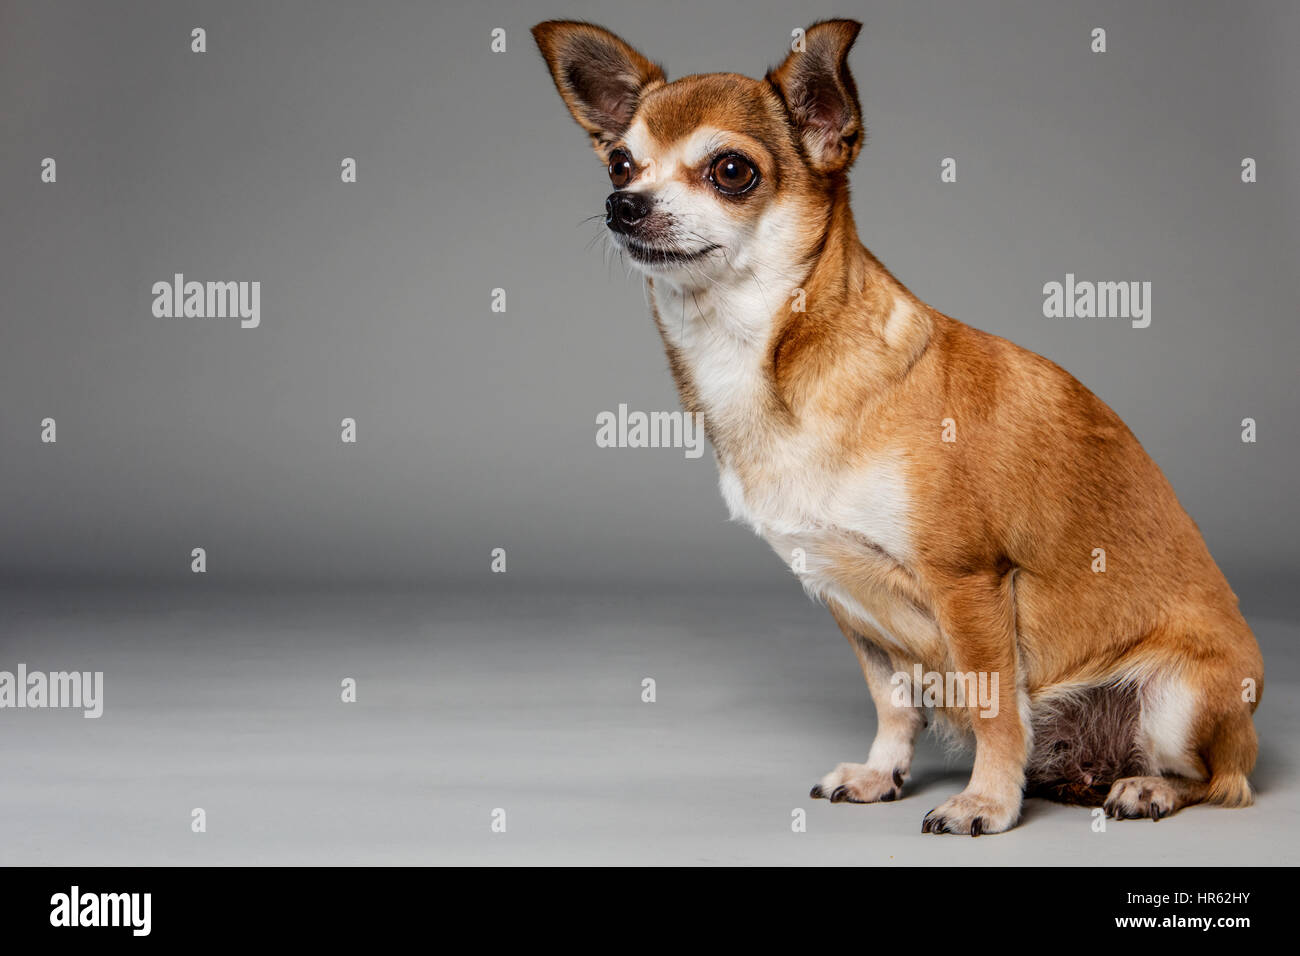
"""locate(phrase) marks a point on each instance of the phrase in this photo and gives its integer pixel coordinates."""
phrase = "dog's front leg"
(977, 615)
(889, 761)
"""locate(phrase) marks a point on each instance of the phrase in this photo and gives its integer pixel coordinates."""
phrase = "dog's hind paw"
(1138, 798)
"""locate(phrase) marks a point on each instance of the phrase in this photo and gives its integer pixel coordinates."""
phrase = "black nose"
(623, 211)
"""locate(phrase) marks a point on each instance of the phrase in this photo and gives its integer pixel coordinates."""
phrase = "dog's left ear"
(819, 92)
(600, 78)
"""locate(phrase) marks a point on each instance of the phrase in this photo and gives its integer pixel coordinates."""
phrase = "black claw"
(1155, 813)
(898, 778)
(891, 796)
(840, 795)
(817, 793)
(928, 823)
(977, 826)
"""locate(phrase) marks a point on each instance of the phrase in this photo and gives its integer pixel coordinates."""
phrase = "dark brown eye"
(733, 174)
(620, 168)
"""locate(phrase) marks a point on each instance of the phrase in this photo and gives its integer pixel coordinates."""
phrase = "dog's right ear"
(600, 78)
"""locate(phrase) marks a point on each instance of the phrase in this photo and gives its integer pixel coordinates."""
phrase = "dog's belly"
(848, 542)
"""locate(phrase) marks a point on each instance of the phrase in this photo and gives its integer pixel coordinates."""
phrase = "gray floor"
(530, 703)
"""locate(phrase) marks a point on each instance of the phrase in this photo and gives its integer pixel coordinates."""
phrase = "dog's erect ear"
(600, 77)
(821, 96)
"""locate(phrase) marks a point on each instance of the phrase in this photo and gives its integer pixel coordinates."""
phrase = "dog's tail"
(1230, 756)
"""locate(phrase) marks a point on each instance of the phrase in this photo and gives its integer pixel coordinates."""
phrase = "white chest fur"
(830, 528)
(794, 502)
(813, 515)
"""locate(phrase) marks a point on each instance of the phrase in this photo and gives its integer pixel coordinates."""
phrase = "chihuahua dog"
(961, 505)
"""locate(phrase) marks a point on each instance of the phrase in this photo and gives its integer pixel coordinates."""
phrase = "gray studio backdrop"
(477, 428)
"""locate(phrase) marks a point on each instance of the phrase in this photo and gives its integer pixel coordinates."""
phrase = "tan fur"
(1000, 524)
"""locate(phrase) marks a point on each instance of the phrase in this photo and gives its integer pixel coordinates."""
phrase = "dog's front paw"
(973, 813)
(858, 783)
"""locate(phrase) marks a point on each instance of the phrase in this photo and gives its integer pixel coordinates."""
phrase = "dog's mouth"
(658, 255)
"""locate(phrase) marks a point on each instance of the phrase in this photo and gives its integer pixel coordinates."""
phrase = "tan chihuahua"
(964, 507)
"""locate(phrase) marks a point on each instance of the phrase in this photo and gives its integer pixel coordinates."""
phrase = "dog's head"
(716, 173)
